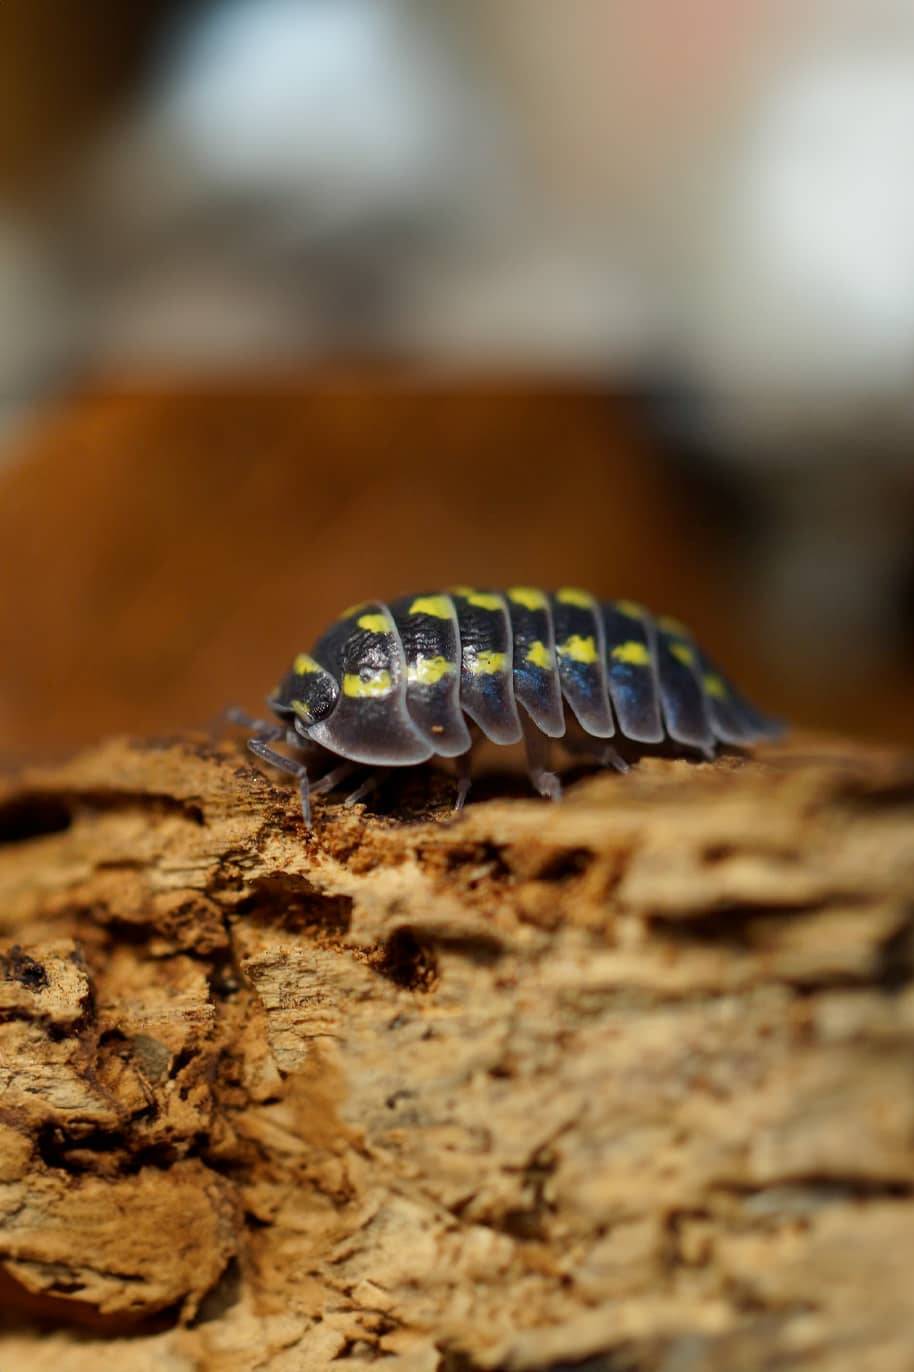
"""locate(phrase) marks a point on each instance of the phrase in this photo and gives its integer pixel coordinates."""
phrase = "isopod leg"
(464, 779)
(598, 752)
(333, 778)
(370, 784)
(541, 778)
(608, 756)
(260, 728)
(285, 764)
(304, 796)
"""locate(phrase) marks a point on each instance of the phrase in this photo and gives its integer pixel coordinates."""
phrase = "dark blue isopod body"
(390, 686)
(631, 656)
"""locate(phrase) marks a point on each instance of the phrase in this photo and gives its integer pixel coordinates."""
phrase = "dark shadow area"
(32, 814)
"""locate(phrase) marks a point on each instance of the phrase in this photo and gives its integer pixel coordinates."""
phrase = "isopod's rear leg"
(608, 756)
(537, 749)
(298, 770)
(597, 751)
(464, 779)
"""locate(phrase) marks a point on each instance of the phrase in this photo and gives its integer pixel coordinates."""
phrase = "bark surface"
(624, 1083)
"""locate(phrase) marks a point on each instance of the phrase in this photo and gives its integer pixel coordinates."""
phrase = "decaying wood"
(623, 1083)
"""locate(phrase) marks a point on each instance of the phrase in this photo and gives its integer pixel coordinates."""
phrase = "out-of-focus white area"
(343, 109)
(811, 236)
(718, 191)
(315, 176)
(35, 329)
(724, 185)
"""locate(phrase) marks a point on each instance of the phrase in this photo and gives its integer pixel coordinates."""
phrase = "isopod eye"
(306, 694)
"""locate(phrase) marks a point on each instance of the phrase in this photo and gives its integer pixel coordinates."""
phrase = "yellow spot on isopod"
(437, 605)
(428, 671)
(353, 609)
(673, 626)
(684, 653)
(303, 710)
(484, 600)
(375, 624)
(570, 595)
(539, 655)
(376, 683)
(528, 596)
(304, 664)
(631, 608)
(462, 590)
(715, 686)
(487, 663)
(633, 653)
(579, 648)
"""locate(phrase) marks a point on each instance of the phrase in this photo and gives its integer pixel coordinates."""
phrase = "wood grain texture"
(621, 1083)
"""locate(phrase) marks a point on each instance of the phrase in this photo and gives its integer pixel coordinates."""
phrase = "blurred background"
(308, 301)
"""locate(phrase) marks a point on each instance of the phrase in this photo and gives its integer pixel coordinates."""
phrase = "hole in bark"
(182, 1060)
(734, 926)
(455, 1361)
(486, 859)
(105, 1153)
(74, 1154)
(896, 958)
(33, 815)
(623, 1359)
(60, 1287)
(898, 791)
(522, 1224)
(483, 949)
(565, 863)
(18, 966)
(717, 852)
(102, 801)
(293, 903)
(407, 962)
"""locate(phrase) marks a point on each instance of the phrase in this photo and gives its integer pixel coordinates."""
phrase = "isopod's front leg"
(260, 728)
(333, 778)
(371, 783)
(542, 779)
(298, 770)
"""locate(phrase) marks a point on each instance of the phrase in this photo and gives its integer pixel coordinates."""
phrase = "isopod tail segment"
(390, 686)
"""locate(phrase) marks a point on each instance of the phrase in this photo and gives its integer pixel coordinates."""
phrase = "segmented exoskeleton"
(394, 685)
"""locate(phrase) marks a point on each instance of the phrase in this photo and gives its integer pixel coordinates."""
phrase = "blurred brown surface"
(167, 552)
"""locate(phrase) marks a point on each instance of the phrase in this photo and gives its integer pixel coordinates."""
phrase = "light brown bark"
(622, 1083)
